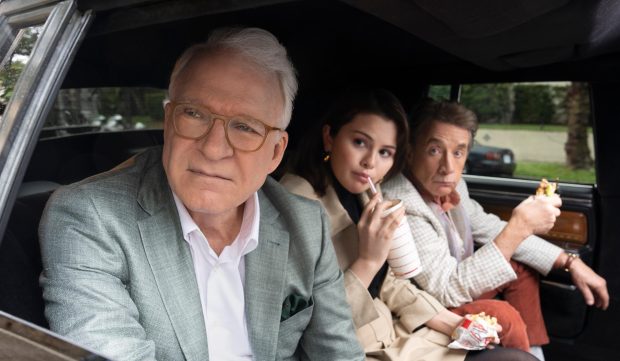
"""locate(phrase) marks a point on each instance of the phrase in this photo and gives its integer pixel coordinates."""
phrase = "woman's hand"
(445, 322)
(375, 238)
(448, 323)
(496, 341)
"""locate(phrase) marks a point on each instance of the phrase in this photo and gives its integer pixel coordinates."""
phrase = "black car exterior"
(489, 160)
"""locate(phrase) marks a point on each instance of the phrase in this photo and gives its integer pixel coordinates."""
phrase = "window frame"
(37, 85)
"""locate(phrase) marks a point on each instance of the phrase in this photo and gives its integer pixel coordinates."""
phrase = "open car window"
(530, 130)
(92, 110)
(14, 61)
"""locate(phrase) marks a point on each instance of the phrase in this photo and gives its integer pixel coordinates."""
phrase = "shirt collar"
(448, 202)
(187, 223)
(250, 225)
(445, 203)
(247, 239)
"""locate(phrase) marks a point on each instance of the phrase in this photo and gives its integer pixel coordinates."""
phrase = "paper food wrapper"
(475, 332)
(546, 188)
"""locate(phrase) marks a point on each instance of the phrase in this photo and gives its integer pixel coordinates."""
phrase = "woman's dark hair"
(309, 162)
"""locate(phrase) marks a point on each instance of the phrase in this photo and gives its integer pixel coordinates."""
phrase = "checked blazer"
(456, 283)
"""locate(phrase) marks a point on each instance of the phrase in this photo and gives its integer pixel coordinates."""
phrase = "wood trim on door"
(570, 226)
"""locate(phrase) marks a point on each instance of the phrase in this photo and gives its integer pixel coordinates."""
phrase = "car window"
(105, 109)
(37, 37)
(530, 130)
(14, 62)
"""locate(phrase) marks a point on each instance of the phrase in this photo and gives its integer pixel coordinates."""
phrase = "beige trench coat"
(390, 327)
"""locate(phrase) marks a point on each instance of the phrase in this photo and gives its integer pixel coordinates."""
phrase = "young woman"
(365, 136)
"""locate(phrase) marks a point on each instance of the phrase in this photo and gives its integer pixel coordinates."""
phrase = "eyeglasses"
(192, 121)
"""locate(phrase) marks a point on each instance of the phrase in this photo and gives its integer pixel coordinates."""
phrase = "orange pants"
(513, 333)
(520, 315)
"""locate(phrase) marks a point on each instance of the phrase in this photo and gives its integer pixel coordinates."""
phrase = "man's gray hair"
(257, 46)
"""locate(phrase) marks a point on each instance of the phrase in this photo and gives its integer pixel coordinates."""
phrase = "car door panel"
(563, 306)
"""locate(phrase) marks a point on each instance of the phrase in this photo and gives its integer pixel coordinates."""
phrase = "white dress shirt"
(220, 282)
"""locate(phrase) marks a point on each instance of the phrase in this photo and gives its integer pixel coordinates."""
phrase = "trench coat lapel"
(171, 263)
(264, 281)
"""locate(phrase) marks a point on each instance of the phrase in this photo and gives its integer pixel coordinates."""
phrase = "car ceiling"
(393, 43)
(505, 35)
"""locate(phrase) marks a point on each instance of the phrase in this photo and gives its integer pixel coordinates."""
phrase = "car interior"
(403, 46)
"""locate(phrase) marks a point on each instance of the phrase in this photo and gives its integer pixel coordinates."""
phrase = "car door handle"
(560, 285)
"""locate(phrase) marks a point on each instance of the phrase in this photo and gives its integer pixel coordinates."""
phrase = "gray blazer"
(118, 276)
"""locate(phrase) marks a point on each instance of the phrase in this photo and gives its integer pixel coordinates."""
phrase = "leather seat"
(20, 260)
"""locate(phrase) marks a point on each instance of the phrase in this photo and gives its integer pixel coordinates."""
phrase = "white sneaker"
(537, 352)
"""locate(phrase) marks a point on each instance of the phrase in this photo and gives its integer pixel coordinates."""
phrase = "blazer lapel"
(264, 282)
(171, 263)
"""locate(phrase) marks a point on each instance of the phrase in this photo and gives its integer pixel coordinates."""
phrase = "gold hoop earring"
(326, 157)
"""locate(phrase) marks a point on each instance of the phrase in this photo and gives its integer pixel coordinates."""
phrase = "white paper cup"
(403, 256)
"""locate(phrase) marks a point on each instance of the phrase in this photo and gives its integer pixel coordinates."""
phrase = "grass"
(532, 127)
(551, 171)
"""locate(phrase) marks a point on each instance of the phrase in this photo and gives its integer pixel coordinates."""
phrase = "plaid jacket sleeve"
(452, 283)
(533, 251)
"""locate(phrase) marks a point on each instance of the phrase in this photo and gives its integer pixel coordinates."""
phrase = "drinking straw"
(373, 189)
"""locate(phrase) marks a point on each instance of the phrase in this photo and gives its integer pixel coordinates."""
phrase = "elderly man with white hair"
(190, 251)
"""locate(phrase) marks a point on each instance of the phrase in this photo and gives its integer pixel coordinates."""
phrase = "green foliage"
(533, 104)
(27, 40)
(85, 105)
(559, 96)
(8, 78)
(108, 100)
(538, 170)
(491, 102)
(10, 72)
(153, 104)
(439, 92)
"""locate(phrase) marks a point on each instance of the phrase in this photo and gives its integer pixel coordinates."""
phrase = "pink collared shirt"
(221, 281)
(459, 248)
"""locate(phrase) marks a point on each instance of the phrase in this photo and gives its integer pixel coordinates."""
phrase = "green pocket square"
(293, 304)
